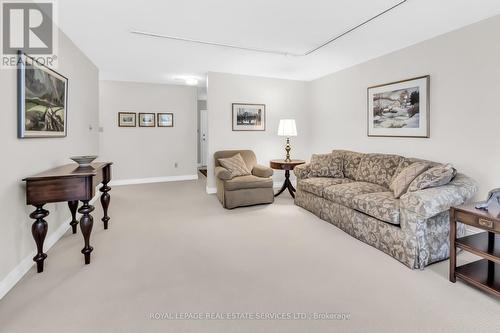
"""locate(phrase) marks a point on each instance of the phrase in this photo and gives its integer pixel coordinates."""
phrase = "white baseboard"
(120, 182)
(25, 265)
(211, 190)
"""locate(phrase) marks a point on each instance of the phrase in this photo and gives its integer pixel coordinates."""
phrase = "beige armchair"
(248, 190)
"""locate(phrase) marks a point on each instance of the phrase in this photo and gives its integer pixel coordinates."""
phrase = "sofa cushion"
(381, 205)
(437, 176)
(248, 181)
(326, 165)
(351, 161)
(235, 164)
(402, 181)
(343, 194)
(378, 168)
(317, 185)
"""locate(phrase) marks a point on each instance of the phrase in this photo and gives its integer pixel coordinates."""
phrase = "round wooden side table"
(287, 166)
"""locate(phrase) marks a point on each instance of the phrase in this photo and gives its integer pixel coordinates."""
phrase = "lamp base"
(287, 149)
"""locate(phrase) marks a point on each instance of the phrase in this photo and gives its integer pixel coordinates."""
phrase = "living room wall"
(283, 99)
(23, 157)
(465, 113)
(156, 152)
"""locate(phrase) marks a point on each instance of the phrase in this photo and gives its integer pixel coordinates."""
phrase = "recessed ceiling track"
(277, 52)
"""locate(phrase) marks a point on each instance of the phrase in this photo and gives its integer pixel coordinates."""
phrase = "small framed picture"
(147, 120)
(165, 119)
(127, 119)
(249, 117)
(400, 109)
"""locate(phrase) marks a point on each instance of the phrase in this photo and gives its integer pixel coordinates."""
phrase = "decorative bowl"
(84, 161)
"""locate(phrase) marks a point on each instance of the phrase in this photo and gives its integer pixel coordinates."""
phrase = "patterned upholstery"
(378, 168)
(380, 205)
(235, 165)
(437, 176)
(326, 165)
(344, 194)
(317, 185)
(413, 229)
(402, 181)
(302, 171)
(351, 162)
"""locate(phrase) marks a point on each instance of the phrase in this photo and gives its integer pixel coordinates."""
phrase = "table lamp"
(287, 128)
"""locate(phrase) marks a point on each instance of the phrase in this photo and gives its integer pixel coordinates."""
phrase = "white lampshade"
(287, 127)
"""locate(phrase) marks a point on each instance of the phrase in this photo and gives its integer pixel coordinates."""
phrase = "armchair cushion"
(327, 165)
(246, 182)
(222, 173)
(235, 164)
(262, 171)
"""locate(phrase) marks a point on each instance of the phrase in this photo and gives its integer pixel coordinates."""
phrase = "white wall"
(142, 152)
(283, 99)
(465, 111)
(23, 157)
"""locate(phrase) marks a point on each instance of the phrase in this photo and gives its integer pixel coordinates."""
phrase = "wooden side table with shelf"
(483, 273)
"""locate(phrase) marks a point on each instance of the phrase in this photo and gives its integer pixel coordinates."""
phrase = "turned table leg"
(105, 198)
(39, 231)
(73, 206)
(86, 223)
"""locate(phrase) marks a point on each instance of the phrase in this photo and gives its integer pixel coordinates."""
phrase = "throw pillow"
(235, 165)
(326, 165)
(437, 176)
(402, 181)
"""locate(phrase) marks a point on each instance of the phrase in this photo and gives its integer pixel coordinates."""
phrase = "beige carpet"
(172, 249)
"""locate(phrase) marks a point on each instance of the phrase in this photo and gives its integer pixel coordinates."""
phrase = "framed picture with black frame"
(147, 120)
(165, 119)
(249, 117)
(127, 119)
(42, 100)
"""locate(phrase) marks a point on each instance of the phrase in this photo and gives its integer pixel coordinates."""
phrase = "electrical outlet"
(176, 164)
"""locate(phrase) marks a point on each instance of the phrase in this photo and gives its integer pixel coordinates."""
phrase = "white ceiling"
(101, 28)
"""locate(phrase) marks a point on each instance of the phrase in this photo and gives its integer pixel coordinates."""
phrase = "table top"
(69, 170)
(492, 214)
(280, 164)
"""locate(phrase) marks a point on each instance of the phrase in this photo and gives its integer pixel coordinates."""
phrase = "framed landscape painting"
(147, 120)
(127, 119)
(42, 100)
(165, 119)
(400, 109)
(249, 117)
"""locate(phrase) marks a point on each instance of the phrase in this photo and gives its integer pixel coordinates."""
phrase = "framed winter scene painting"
(400, 109)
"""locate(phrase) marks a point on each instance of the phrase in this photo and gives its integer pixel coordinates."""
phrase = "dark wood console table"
(69, 183)
(484, 273)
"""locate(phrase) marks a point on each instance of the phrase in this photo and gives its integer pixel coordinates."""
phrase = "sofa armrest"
(262, 171)
(222, 173)
(431, 201)
(302, 171)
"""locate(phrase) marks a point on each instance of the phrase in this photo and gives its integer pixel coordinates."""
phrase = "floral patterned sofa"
(355, 197)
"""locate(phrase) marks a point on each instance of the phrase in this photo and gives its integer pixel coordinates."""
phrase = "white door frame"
(203, 137)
